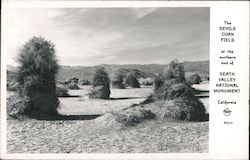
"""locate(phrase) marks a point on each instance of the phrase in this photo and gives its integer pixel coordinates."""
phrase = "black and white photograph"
(107, 80)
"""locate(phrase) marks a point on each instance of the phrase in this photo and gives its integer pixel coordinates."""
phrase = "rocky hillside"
(144, 71)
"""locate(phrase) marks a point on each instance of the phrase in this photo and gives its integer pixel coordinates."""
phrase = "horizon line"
(122, 64)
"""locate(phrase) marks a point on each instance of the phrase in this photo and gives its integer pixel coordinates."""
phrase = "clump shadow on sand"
(129, 112)
(69, 117)
(123, 98)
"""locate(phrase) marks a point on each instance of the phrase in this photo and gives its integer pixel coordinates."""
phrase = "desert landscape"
(99, 131)
(108, 80)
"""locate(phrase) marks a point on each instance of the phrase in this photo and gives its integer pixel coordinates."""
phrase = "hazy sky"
(113, 36)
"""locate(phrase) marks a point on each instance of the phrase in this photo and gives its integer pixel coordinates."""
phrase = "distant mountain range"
(142, 70)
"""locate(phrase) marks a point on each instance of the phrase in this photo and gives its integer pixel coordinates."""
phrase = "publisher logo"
(227, 112)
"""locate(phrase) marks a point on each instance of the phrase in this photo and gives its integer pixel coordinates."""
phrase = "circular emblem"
(227, 112)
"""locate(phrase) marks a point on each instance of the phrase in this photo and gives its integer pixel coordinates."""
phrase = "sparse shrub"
(84, 82)
(191, 109)
(203, 76)
(11, 81)
(73, 86)
(132, 81)
(133, 116)
(12, 86)
(98, 93)
(61, 91)
(158, 83)
(36, 79)
(146, 81)
(148, 100)
(66, 82)
(100, 86)
(181, 108)
(194, 79)
(171, 90)
(175, 71)
(16, 106)
(117, 81)
(73, 80)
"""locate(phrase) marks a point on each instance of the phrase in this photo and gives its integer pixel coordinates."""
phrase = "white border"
(216, 11)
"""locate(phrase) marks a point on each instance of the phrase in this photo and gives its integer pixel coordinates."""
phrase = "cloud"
(115, 35)
(140, 13)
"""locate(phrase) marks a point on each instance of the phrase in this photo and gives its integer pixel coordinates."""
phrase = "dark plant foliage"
(158, 83)
(175, 71)
(183, 108)
(132, 81)
(186, 105)
(101, 77)
(12, 86)
(84, 82)
(132, 117)
(73, 80)
(73, 86)
(36, 77)
(11, 81)
(172, 86)
(17, 105)
(174, 74)
(171, 90)
(62, 92)
(194, 79)
(117, 81)
(100, 86)
(191, 109)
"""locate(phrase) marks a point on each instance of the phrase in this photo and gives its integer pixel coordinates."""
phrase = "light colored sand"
(85, 106)
(202, 86)
(103, 134)
(34, 136)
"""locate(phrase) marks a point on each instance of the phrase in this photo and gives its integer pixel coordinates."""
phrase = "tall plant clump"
(158, 82)
(175, 71)
(174, 74)
(172, 86)
(36, 78)
(132, 81)
(100, 86)
(117, 81)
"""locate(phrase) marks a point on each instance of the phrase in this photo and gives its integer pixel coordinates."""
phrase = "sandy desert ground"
(102, 134)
